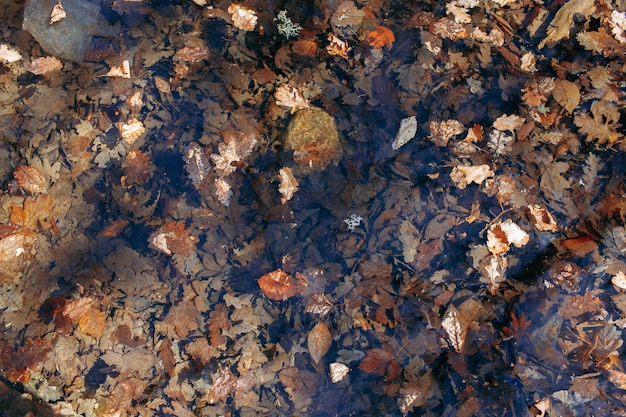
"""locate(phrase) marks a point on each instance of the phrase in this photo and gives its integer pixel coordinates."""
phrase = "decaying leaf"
(92, 323)
(122, 70)
(9, 55)
(381, 36)
(243, 18)
(442, 131)
(463, 175)
(455, 326)
(223, 385)
(58, 13)
(508, 122)
(279, 285)
(318, 341)
(132, 130)
(30, 179)
(337, 47)
(544, 222)
(381, 362)
(288, 183)
(121, 397)
(192, 54)
(196, 163)
(564, 20)
(338, 371)
(501, 235)
(407, 131)
(172, 238)
(288, 96)
(43, 65)
(223, 191)
(233, 150)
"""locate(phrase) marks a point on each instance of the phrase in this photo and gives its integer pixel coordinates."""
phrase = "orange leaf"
(279, 285)
(92, 323)
(31, 179)
(580, 246)
(319, 341)
(381, 36)
(380, 362)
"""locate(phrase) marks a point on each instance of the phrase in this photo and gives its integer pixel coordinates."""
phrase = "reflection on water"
(223, 227)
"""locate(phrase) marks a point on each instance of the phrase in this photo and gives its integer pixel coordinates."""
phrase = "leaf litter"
(166, 248)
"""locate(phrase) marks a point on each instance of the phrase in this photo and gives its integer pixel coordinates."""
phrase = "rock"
(68, 38)
(313, 138)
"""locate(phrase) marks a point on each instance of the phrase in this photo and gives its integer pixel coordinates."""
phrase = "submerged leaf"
(319, 341)
(279, 285)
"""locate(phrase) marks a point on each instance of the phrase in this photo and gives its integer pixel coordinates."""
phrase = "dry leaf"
(30, 179)
(442, 131)
(318, 341)
(192, 54)
(242, 17)
(337, 46)
(501, 235)
(380, 362)
(510, 123)
(279, 285)
(115, 228)
(223, 386)
(39, 66)
(567, 94)
(121, 398)
(223, 191)
(544, 221)
(122, 70)
(197, 164)
(135, 101)
(407, 131)
(8, 55)
(58, 13)
(137, 167)
(288, 96)
(132, 130)
(92, 323)
(455, 326)
(381, 36)
(563, 20)
(338, 371)
(172, 238)
(619, 281)
(463, 175)
(288, 183)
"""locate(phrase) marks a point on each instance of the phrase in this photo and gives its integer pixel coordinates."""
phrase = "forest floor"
(320, 208)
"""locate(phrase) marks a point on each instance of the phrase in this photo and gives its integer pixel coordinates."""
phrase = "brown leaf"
(34, 214)
(138, 168)
(77, 308)
(166, 356)
(242, 17)
(192, 54)
(279, 285)
(39, 66)
(288, 183)
(455, 326)
(115, 228)
(121, 397)
(299, 382)
(222, 386)
(567, 94)
(31, 179)
(380, 362)
(319, 341)
(173, 238)
(58, 13)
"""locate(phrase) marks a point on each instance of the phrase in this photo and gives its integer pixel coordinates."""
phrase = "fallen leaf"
(115, 228)
(288, 183)
(508, 122)
(544, 222)
(223, 191)
(122, 71)
(173, 238)
(58, 13)
(318, 341)
(279, 285)
(337, 371)
(192, 54)
(92, 323)
(223, 385)
(406, 132)
(288, 96)
(563, 20)
(337, 47)
(132, 130)
(380, 362)
(567, 94)
(455, 326)
(580, 246)
(30, 179)
(463, 175)
(501, 235)
(381, 36)
(243, 18)
(9, 55)
(39, 66)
